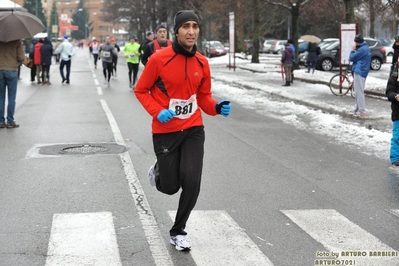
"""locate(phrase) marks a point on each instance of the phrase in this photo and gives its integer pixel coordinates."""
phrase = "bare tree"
(294, 8)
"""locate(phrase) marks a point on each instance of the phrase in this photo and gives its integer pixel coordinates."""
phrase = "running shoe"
(180, 242)
(105, 82)
(151, 174)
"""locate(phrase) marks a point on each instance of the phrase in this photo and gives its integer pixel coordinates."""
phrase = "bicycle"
(341, 84)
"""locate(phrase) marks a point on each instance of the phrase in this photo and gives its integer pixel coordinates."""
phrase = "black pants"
(135, 69)
(179, 164)
(67, 64)
(45, 73)
(114, 64)
(107, 70)
(33, 73)
(95, 57)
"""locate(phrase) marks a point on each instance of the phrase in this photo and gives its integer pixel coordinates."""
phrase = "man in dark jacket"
(46, 52)
(395, 56)
(144, 44)
(31, 56)
(392, 93)
(313, 52)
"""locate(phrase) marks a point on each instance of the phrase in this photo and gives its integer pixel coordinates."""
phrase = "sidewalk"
(311, 90)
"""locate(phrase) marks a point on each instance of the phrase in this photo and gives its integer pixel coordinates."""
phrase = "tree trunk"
(349, 11)
(295, 37)
(372, 18)
(256, 31)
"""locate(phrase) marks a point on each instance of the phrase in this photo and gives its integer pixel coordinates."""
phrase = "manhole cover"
(85, 149)
(82, 149)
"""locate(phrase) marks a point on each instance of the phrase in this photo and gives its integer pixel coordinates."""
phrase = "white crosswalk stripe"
(90, 239)
(83, 239)
(341, 236)
(218, 240)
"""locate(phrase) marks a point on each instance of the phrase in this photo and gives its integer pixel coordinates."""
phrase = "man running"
(175, 88)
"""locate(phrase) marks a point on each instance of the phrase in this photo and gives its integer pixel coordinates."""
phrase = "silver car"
(267, 45)
(278, 47)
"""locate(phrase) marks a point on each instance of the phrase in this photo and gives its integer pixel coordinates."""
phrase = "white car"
(278, 47)
(389, 49)
(267, 46)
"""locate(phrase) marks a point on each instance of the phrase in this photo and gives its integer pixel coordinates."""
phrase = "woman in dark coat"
(313, 52)
(46, 55)
(31, 56)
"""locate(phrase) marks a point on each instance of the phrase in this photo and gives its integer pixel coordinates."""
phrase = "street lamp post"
(85, 21)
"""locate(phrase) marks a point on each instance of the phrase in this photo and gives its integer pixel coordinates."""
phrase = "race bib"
(184, 108)
(106, 54)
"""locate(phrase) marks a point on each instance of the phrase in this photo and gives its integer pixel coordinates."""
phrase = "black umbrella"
(16, 25)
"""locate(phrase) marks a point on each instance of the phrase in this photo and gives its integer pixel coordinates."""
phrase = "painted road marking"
(338, 234)
(395, 212)
(218, 240)
(83, 239)
(157, 246)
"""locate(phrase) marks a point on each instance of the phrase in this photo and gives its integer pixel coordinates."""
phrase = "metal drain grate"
(85, 149)
(82, 149)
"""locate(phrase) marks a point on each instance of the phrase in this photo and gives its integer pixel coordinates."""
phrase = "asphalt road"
(271, 194)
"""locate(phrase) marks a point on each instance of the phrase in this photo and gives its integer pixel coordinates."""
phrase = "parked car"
(302, 47)
(267, 45)
(329, 57)
(389, 49)
(214, 48)
(278, 47)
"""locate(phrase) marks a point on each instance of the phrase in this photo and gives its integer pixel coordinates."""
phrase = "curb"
(368, 92)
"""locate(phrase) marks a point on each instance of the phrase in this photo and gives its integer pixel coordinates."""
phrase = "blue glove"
(223, 108)
(166, 115)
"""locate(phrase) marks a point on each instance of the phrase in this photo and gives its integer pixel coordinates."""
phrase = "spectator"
(46, 52)
(286, 60)
(12, 54)
(313, 52)
(37, 61)
(66, 51)
(361, 58)
(32, 56)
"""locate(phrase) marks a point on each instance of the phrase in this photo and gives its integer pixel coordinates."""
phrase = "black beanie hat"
(183, 16)
(160, 26)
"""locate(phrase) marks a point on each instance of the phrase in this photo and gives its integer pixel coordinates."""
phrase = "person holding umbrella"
(12, 53)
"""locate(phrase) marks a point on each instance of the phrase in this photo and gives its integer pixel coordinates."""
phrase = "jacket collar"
(180, 50)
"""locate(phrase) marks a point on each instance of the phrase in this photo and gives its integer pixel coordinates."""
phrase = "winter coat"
(66, 50)
(312, 52)
(395, 53)
(32, 48)
(46, 51)
(132, 52)
(391, 91)
(12, 53)
(174, 73)
(38, 56)
(287, 56)
(361, 59)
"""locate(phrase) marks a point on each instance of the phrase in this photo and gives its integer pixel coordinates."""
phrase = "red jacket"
(37, 54)
(171, 74)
